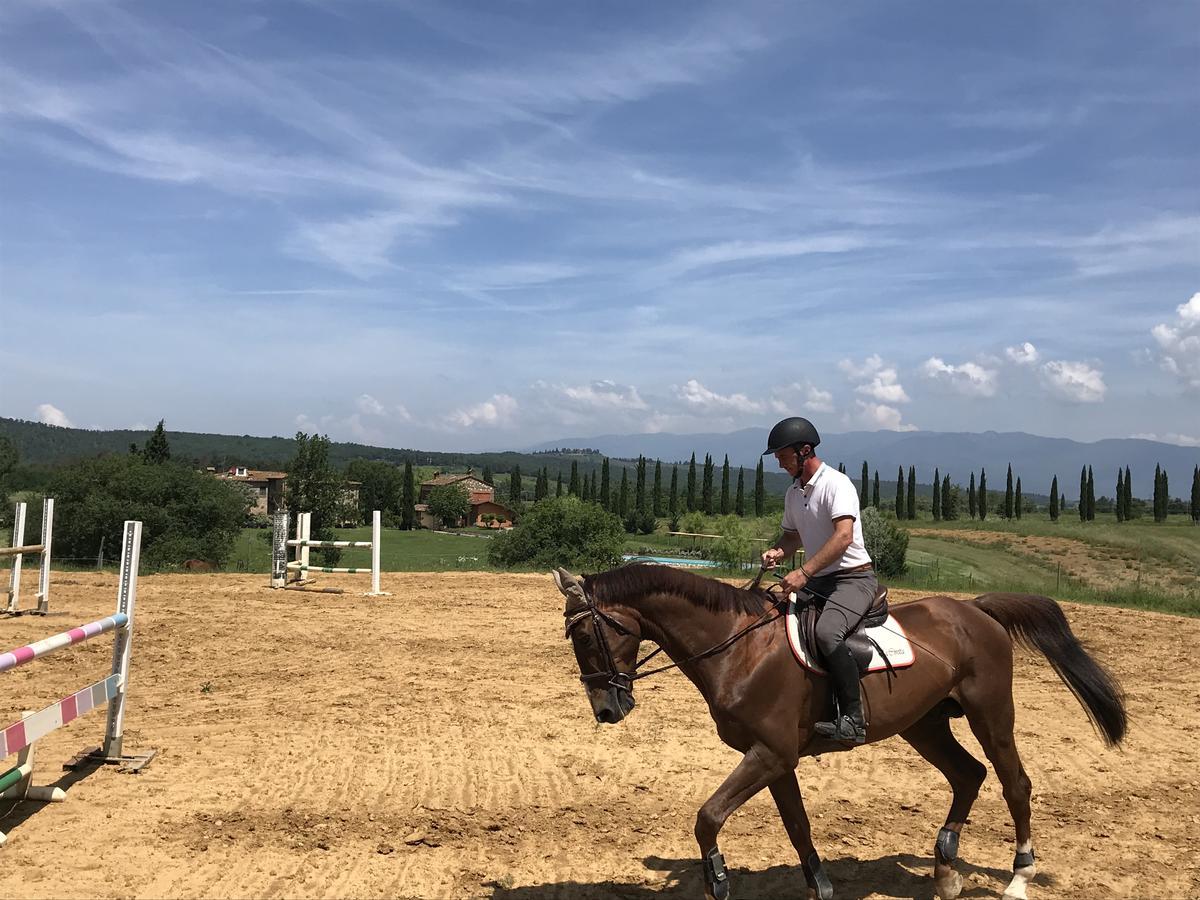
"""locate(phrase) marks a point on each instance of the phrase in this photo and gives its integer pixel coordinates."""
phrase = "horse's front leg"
(758, 768)
(786, 791)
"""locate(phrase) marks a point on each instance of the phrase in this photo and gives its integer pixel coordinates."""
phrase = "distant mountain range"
(1035, 460)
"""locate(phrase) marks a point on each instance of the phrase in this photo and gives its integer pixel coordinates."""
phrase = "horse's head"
(605, 649)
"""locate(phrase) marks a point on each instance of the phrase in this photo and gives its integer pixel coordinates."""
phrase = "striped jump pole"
(20, 736)
(303, 543)
(18, 550)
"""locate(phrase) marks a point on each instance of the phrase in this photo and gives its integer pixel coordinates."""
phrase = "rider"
(821, 513)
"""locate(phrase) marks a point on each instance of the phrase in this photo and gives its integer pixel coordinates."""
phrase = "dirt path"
(437, 744)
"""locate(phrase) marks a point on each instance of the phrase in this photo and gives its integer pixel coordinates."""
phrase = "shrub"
(640, 522)
(561, 531)
(887, 543)
(732, 549)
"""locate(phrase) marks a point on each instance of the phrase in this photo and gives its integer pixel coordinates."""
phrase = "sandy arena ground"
(437, 743)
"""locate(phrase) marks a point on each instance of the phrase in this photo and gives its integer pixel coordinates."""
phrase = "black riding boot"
(850, 727)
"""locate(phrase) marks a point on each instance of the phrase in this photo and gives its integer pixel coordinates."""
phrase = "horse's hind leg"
(988, 703)
(786, 791)
(933, 739)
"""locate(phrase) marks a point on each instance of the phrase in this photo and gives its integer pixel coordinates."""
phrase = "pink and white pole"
(20, 736)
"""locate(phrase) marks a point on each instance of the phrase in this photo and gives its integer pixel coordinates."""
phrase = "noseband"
(610, 675)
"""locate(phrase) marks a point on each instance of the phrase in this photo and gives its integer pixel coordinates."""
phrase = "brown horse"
(732, 647)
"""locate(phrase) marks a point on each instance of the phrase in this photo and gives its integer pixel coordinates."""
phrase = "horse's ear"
(569, 585)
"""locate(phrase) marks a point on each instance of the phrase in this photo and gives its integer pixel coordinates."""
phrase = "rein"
(625, 680)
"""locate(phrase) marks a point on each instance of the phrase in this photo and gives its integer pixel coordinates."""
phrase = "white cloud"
(969, 378)
(809, 397)
(1180, 343)
(877, 380)
(603, 395)
(1183, 440)
(882, 416)
(497, 411)
(52, 415)
(698, 397)
(869, 367)
(369, 406)
(1024, 355)
(1074, 381)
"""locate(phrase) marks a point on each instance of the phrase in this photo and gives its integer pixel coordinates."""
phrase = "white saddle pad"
(890, 636)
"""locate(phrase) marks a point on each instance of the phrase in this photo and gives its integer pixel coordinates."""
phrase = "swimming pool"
(673, 561)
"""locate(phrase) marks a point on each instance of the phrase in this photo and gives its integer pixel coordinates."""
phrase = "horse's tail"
(1038, 623)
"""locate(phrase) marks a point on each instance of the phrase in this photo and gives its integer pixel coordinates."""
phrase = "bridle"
(623, 681)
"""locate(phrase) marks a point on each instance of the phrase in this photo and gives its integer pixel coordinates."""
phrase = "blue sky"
(467, 226)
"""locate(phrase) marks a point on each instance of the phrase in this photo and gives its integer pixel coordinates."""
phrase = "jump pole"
(18, 550)
(303, 543)
(21, 736)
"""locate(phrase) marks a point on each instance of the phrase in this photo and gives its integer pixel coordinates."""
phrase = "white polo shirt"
(811, 509)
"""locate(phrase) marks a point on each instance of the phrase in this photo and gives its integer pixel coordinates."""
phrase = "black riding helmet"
(791, 432)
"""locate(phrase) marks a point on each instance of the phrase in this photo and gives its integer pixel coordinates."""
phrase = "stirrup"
(843, 729)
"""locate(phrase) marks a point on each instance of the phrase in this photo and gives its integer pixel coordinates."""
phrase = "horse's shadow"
(902, 875)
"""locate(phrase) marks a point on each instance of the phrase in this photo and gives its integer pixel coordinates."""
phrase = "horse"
(731, 644)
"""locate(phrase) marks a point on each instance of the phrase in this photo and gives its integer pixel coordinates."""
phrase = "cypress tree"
(573, 487)
(1017, 499)
(623, 496)
(541, 486)
(605, 486)
(725, 509)
(691, 485)
(1054, 499)
(1128, 495)
(1083, 495)
(558, 486)
(1166, 496)
(842, 468)
(760, 493)
(658, 508)
(408, 498)
(1194, 506)
(971, 497)
(1091, 496)
(863, 496)
(157, 450)
(640, 498)
(949, 501)
(1157, 502)
(587, 488)
(1008, 495)
(739, 502)
(595, 487)
(875, 491)
(982, 499)
(486, 477)
(1062, 502)
(673, 497)
(937, 494)
(514, 487)
(706, 486)
(911, 499)
(1194, 500)
(901, 509)
(1119, 506)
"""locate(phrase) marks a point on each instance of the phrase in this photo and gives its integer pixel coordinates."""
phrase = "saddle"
(877, 642)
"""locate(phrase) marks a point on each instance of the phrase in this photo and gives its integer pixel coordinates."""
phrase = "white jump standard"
(20, 736)
(303, 543)
(17, 551)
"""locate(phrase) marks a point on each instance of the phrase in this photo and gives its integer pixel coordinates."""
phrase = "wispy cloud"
(492, 413)
(1077, 382)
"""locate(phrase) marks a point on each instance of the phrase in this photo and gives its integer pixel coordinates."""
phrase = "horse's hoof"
(949, 887)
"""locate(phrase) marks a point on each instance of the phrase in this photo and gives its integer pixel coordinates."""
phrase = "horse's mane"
(639, 579)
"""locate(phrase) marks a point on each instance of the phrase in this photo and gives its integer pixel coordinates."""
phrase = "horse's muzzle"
(618, 703)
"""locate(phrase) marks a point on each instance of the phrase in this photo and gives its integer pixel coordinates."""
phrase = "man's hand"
(772, 557)
(795, 580)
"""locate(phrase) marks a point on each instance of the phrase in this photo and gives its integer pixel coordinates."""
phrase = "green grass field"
(1137, 564)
